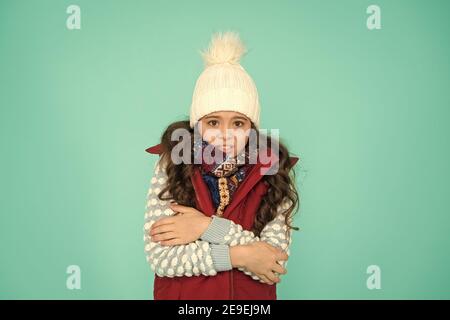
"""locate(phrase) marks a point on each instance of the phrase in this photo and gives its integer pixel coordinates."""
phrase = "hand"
(260, 258)
(186, 226)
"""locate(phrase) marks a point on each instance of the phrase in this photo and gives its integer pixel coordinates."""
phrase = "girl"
(220, 228)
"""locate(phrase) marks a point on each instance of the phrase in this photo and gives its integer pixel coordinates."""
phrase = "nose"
(222, 133)
(227, 136)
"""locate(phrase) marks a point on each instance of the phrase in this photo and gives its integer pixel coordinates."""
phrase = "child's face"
(227, 130)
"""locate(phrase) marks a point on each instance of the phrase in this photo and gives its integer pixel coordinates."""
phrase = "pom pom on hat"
(224, 47)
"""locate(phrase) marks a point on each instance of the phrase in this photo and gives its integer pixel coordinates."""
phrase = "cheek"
(241, 136)
(240, 140)
(210, 139)
(208, 134)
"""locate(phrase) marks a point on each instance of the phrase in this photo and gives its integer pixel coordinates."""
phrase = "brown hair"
(179, 186)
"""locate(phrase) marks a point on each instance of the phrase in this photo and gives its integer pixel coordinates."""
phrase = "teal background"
(366, 111)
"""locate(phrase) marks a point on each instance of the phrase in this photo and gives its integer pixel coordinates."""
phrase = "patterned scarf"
(222, 178)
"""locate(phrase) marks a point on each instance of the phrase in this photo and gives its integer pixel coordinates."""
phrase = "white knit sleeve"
(195, 258)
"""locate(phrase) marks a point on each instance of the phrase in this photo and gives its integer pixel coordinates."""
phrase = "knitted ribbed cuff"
(217, 230)
(220, 254)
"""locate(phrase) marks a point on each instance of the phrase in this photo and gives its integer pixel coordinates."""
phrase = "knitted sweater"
(211, 252)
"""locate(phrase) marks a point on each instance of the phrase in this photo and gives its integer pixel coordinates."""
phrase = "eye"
(238, 123)
(213, 123)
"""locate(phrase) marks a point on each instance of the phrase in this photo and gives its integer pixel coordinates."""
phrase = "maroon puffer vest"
(232, 284)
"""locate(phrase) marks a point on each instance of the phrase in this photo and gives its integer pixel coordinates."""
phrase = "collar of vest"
(157, 149)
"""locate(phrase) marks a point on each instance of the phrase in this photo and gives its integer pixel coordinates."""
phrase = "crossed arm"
(211, 252)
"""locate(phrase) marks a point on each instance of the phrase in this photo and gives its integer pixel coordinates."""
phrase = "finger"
(277, 268)
(180, 208)
(172, 242)
(161, 229)
(272, 277)
(265, 279)
(163, 221)
(281, 256)
(163, 236)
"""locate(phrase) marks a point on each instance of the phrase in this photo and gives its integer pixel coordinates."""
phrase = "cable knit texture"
(224, 84)
(209, 254)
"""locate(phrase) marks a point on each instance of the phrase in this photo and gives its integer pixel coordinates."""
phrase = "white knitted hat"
(224, 85)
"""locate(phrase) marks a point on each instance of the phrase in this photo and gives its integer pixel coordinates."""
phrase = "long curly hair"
(180, 189)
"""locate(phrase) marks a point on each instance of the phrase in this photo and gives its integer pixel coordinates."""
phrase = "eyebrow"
(234, 118)
(240, 117)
